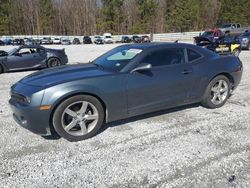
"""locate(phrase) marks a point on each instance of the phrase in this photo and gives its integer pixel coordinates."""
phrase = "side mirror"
(142, 67)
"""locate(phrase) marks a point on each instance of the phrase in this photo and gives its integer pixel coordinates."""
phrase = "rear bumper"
(31, 118)
(237, 74)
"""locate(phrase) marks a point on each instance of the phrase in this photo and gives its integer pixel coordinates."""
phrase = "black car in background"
(31, 57)
(126, 39)
(87, 40)
(1, 43)
(76, 41)
(136, 39)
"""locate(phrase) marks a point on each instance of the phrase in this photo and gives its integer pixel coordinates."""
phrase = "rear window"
(192, 55)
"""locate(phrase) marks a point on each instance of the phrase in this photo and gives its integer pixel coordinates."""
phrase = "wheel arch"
(230, 78)
(72, 95)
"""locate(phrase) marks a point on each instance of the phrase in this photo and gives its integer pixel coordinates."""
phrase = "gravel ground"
(190, 146)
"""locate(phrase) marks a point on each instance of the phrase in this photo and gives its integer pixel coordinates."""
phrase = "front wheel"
(217, 92)
(78, 118)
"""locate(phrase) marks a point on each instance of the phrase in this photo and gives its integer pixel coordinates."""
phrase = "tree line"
(89, 17)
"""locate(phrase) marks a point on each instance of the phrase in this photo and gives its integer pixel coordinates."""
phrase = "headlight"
(20, 98)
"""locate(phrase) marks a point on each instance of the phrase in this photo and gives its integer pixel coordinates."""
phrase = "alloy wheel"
(79, 118)
(219, 92)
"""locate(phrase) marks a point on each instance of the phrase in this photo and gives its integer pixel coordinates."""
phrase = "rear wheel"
(236, 52)
(54, 62)
(217, 92)
(78, 118)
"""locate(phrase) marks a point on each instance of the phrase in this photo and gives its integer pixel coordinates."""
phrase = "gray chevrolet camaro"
(31, 57)
(74, 101)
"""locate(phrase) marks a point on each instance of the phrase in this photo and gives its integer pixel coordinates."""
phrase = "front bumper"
(31, 118)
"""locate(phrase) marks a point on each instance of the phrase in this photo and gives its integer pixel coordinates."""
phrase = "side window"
(238, 25)
(164, 57)
(192, 55)
(24, 51)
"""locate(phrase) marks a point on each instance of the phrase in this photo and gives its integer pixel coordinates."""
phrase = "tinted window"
(165, 57)
(192, 55)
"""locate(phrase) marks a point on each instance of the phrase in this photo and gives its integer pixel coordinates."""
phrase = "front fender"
(114, 98)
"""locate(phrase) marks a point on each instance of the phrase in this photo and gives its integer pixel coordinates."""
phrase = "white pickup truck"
(233, 28)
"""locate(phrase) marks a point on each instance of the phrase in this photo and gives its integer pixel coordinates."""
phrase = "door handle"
(187, 72)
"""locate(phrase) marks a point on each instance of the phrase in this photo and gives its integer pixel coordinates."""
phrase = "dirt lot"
(189, 146)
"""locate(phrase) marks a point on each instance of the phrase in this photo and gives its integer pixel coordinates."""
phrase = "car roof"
(155, 45)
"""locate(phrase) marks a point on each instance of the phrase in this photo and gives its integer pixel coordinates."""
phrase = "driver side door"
(166, 84)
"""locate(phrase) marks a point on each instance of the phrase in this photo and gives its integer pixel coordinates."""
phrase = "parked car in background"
(145, 39)
(98, 40)
(87, 40)
(1, 43)
(107, 37)
(32, 57)
(244, 40)
(18, 42)
(233, 28)
(56, 41)
(136, 39)
(76, 41)
(225, 45)
(7, 41)
(128, 80)
(28, 41)
(46, 40)
(126, 39)
(211, 35)
(65, 42)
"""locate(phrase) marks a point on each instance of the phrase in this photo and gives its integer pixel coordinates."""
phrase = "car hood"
(53, 76)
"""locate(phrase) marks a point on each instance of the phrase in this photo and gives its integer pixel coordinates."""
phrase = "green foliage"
(46, 16)
(118, 16)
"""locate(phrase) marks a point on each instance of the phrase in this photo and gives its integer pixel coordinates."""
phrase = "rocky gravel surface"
(189, 146)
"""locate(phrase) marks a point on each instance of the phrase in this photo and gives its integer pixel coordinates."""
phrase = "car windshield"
(116, 59)
(108, 37)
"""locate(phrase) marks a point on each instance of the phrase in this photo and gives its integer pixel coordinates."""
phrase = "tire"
(78, 118)
(236, 52)
(53, 62)
(217, 92)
